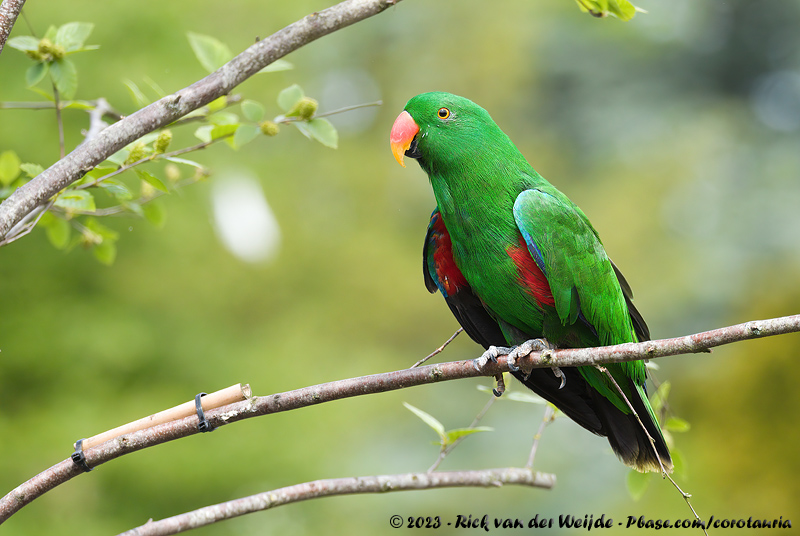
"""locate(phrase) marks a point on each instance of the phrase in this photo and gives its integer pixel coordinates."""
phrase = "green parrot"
(516, 261)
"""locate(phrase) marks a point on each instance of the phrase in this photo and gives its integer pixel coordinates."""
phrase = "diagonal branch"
(172, 107)
(388, 381)
(343, 486)
(9, 11)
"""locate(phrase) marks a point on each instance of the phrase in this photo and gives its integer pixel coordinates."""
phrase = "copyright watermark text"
(587, 521)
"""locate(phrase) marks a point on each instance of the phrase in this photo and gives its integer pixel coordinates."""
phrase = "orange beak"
(403, 132)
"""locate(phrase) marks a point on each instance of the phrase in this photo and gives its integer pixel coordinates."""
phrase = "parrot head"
(437, 125)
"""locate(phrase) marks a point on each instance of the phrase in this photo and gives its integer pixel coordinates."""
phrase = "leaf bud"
(137, 152)
(305, 108)
(49, 51)
(269, 128)
(163, 141)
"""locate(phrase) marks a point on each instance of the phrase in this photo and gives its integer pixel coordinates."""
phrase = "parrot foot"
(489, 355)
(559, 374)
(532, 345)
(501, 386)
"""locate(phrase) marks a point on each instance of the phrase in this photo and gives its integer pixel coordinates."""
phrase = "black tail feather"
(590, 409)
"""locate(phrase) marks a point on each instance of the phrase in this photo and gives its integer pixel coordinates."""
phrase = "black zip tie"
(203, 425)
(79, 458)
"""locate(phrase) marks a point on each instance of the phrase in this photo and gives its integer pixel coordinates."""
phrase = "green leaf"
(676, 424)
(678, 463)
(154, 181)
(138, 97)
(621, 9)
(117, 189)
(101, 230)
(276, 66)
(105, 252)
(660, 397)
(43, 93)
(220, 131)
(451, 436)
(57, 230)
(204, 133)
(134, 207)
(9, 167)
(321, 130)
(523, 396)
(185, 162)
(146, 139)
(245, 134)
(36, 73)
(65, 77)
(100, 171)
(252, 110)
(217, 104)
(76, 200)
(223, 118)
(51, 33)
(289, 97)
(31, 170)
(25, 43)
(210, 52)
(119, 157)
(155, 87)
(79, 105)
(84, 49)
(428, 419)
(637, 483)
(72, 35)
(155, 213)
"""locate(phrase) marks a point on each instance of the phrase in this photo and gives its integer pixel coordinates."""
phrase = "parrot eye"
(443, 113)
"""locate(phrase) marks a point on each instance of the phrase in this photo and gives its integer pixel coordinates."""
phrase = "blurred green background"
(677, 133)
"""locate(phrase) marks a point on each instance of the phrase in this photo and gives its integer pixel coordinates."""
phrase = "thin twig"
(444, 452)
(294, 119)
(488, 478)
(379, 383)
(549, 416)
(664, 472)
(96, 115)
(150, 158)
(61, 147)
(438, 350)
(27, 224)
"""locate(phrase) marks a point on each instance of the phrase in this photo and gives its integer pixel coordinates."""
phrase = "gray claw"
(559, 374)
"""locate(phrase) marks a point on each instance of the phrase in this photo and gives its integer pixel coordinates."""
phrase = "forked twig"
(438, 350)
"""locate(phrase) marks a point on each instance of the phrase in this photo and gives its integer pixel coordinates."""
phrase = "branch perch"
(378, 383)
(9, 11)
(172, 107)
(342, 486)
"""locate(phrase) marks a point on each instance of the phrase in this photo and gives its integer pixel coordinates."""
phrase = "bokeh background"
(678, 134)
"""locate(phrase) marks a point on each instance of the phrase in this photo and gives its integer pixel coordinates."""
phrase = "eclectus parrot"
(515, 260)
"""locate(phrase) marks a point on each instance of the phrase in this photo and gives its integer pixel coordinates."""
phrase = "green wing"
(587, 294)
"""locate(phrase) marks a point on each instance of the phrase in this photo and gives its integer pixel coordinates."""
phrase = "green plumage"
(502, 217)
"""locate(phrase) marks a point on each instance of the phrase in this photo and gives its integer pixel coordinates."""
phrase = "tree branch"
(9, 10)
(342, 486)
(172, 107)
(388, 381)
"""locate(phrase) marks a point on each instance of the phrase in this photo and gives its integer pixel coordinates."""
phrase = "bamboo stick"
(234, 393)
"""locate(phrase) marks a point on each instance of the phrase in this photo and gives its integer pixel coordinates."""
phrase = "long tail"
(587, 407)
(627, 437)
